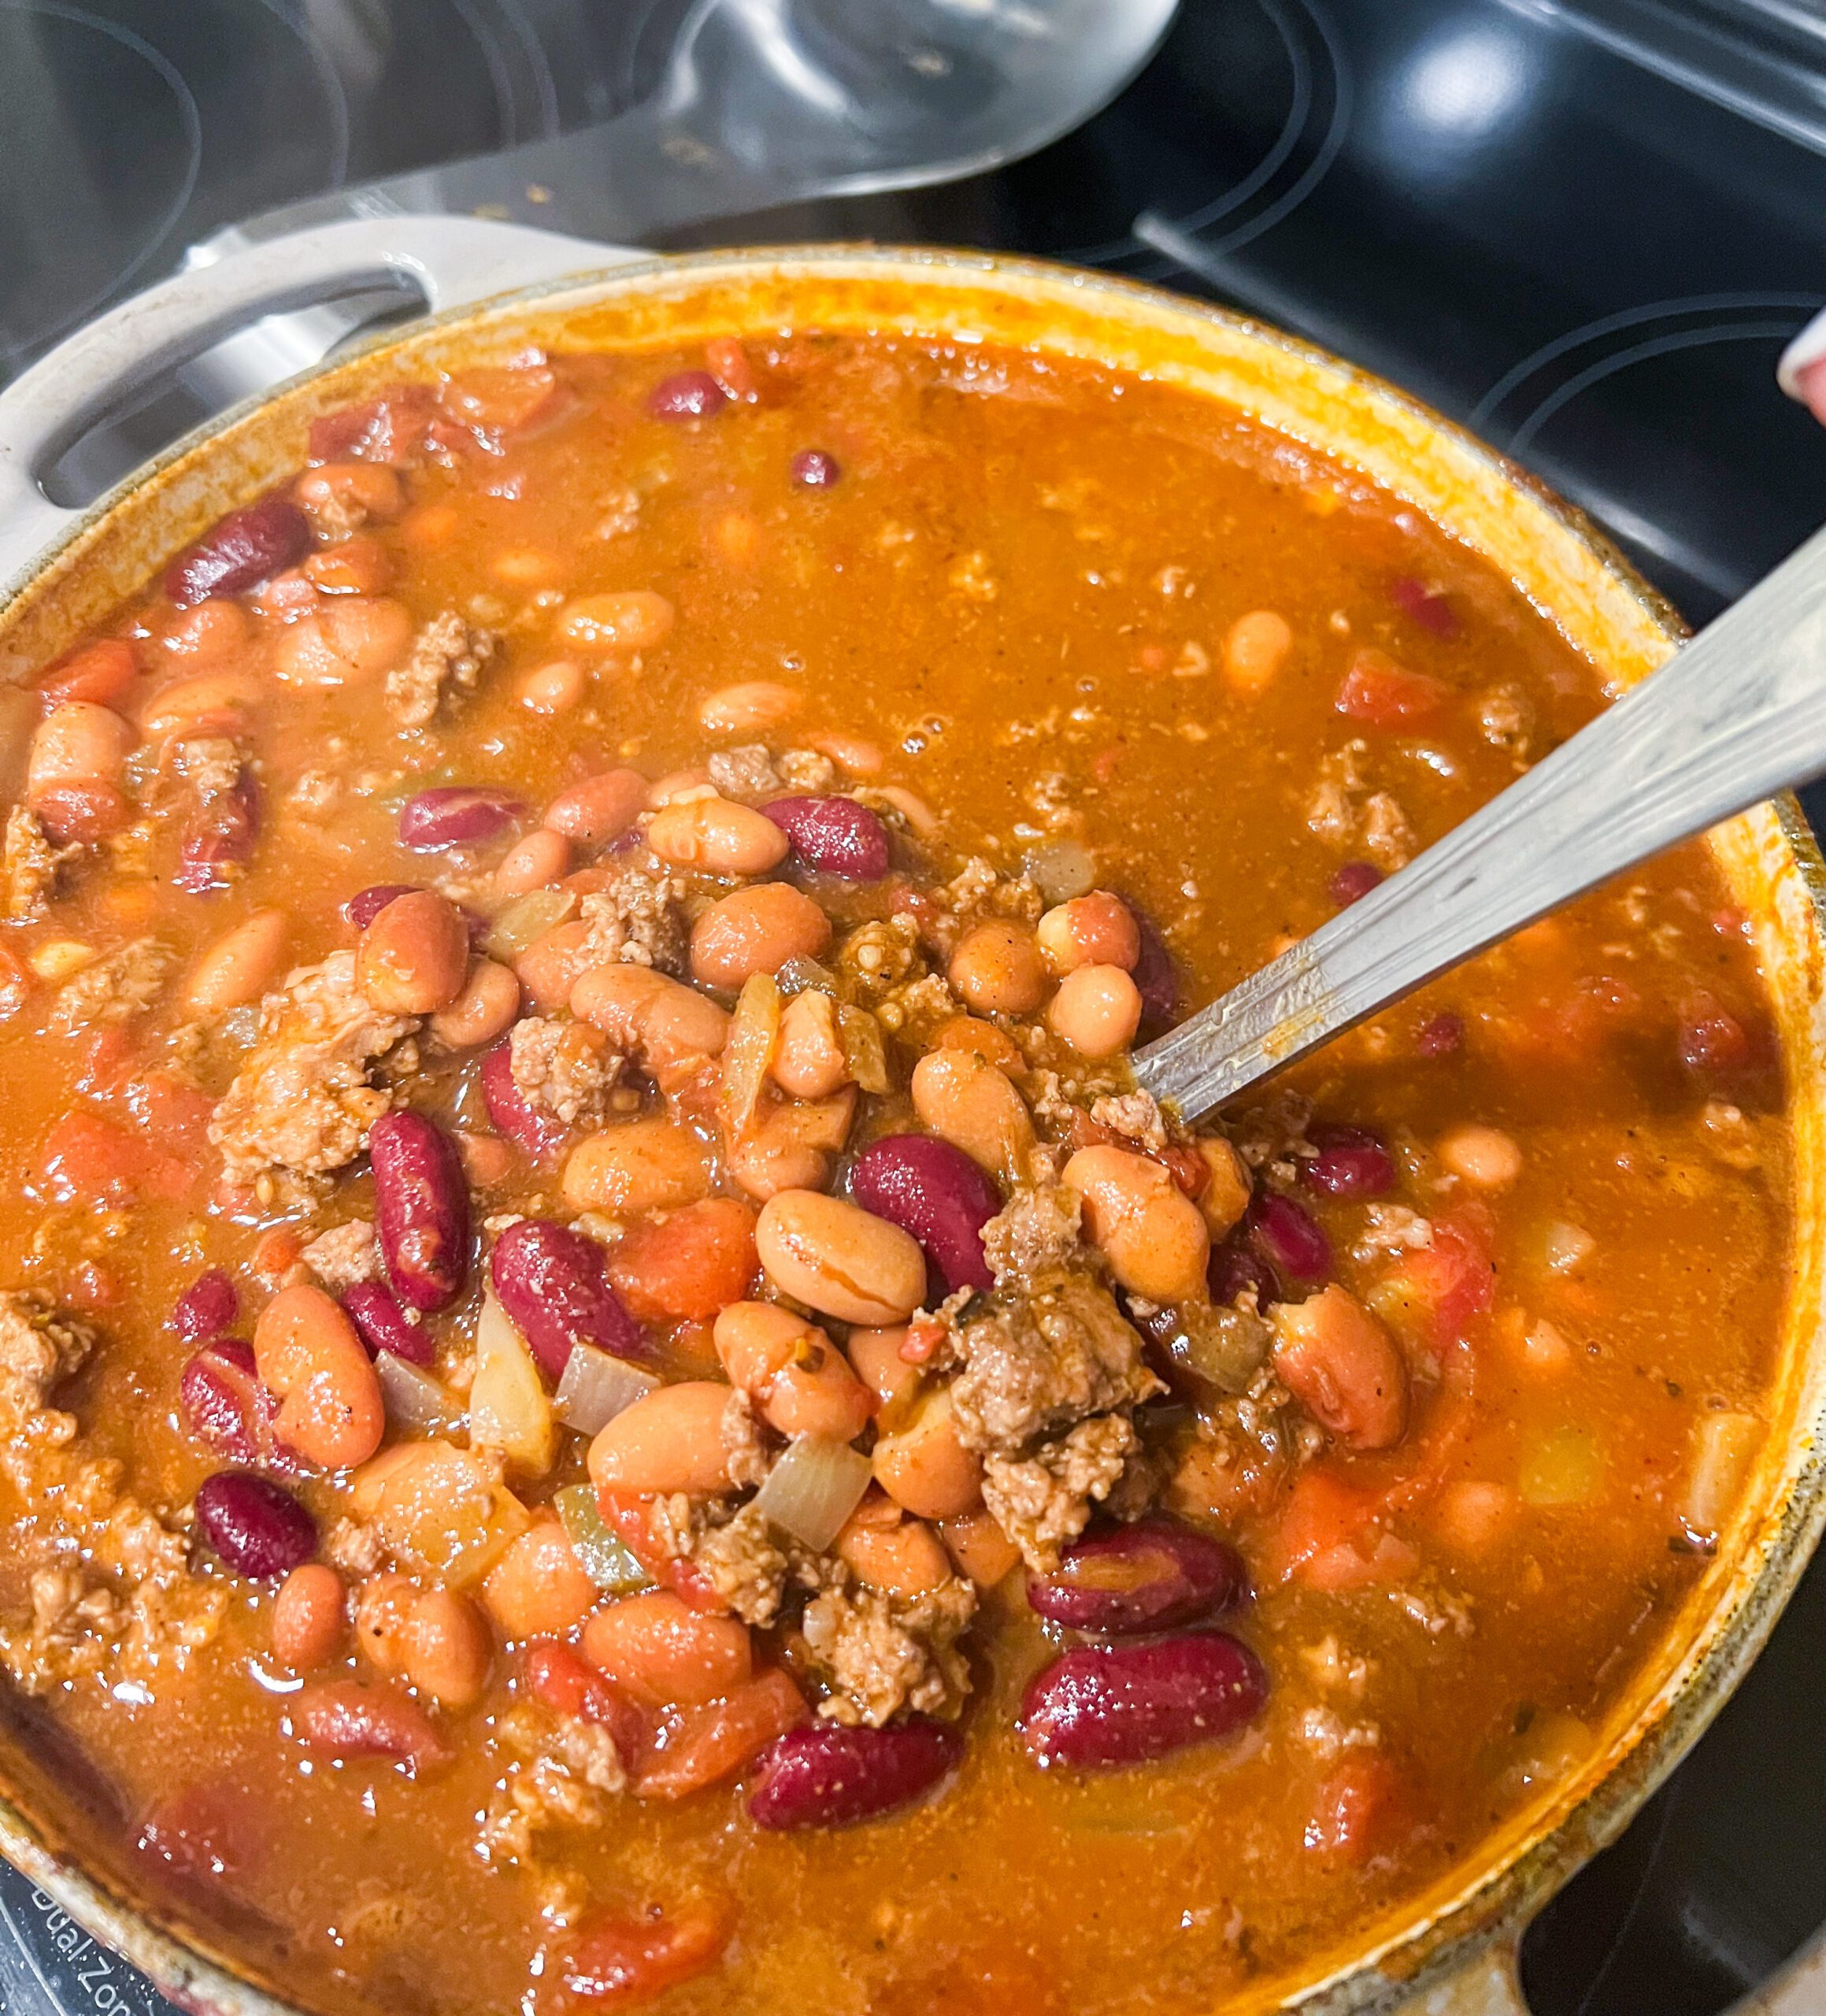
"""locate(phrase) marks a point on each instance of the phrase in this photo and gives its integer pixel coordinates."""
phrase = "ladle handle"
(1738, 714)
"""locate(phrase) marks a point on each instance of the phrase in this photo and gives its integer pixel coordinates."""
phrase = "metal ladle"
(1736, 715)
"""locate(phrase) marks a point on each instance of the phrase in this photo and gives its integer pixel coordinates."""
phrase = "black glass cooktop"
(1585, 226)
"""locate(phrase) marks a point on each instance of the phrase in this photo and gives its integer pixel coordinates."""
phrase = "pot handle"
(1485, 1983)
(452, 261)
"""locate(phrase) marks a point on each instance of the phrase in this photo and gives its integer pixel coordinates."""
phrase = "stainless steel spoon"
(1737, 714)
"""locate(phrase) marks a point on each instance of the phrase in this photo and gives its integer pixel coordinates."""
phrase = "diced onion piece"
(813, 1488)
(442, 1512)
(863, 1052)
(800, 975)
(415, 1400)
(1061, 870)
(1564, 1246)
(1547, 1752)
(1564, 1466)
(754, 1037)
(597, 1387)
(1723, 1446)
(605, 1560)
(509, 1408)
(530, 918)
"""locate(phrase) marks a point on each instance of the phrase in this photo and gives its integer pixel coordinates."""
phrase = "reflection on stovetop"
(1480, 199)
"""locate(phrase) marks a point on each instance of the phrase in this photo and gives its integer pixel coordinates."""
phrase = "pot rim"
(1491, 1896)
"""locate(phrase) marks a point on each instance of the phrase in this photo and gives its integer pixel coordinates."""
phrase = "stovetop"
(1585, 226)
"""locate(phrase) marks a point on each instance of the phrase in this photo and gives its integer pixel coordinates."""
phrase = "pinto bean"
(1255, 648)
(1149, 1577)
(357, 567)
(903, 1557)
(716, 836)
(792, 1146)
(932, 1189)
(809, 1059)
(256, 1525)
(600, 809)
(211, 703)
(370, 489)
(1485, 1157)
(553, 1283)
(215, 633)
(1150, 1232)
(670, 1439)
(244, 549)
(1126, 1704)
(1225, 1195)
(1096, 929)
(750, 707)
(79, 748)
(103, 672)
(997, 970)
(666, 1654)
(453, 815)
(421, 1209)
(307, 1352)
(835, 1257)
(875, 1355)
(349, 1718)
(445, 1649)
(923, 1466)
(1097, 1010)
(971, 1104)
(667, 1027)
(1341, 1365)
(757, 931)
(541, 859)
(835, 836)
(487, 1007)
(310, 1618)
(642, 1166)
(539, 1588)
(981, 1549)
(348, 640)
(239, 967)
(624, 619)
(381, 1605)
(552, 965)
(413, 958)
(822, 1775)
(797, 1379)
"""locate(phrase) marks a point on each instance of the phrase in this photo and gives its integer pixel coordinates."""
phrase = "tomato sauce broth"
(1018, 582)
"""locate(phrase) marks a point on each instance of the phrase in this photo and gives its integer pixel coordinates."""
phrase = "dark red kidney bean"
(1710, 1039)
(1235, 1267)
(687, 395)
(1285, 1235)
(820, 1775)
(225, 1406)
(1440, 1036)
(1149, 1577)
(206, 1307)
(366, 905)
(421, 1210)
(538, 1134)
(1428, 606)
(221, 835)
(1352, 1162)
(257, 1526)
(347, 1718)
(1126, 1704)
(834, 836)
(450, 815)
(1155, 979)
(554, 1284)
(815, 468)
(383, 1325)
(246, 548)
(1352, 882)
(935, 1192)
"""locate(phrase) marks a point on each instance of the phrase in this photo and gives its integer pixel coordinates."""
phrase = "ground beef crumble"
(562, 1068)
(1043, 1501)
(447, 654)
(31, 865)
(639, 919)
(39, 1348)
(343, 1255)
(883, 1653)
(114, 988)
(1036, 1230)
(302, 1100)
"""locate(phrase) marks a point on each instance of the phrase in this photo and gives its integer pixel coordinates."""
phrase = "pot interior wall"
(1602, 609)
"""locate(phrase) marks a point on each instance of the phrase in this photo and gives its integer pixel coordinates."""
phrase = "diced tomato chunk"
(1436, 1291)
(89, 1160)
(629, 1959)
(730, 367)
(704, 1745)
(1431, 608)
(569, 1685)
(173, 1113)
(100, 673)
(492, 399)
(626, 1517)
(1360, 1810)
(1385, 695)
